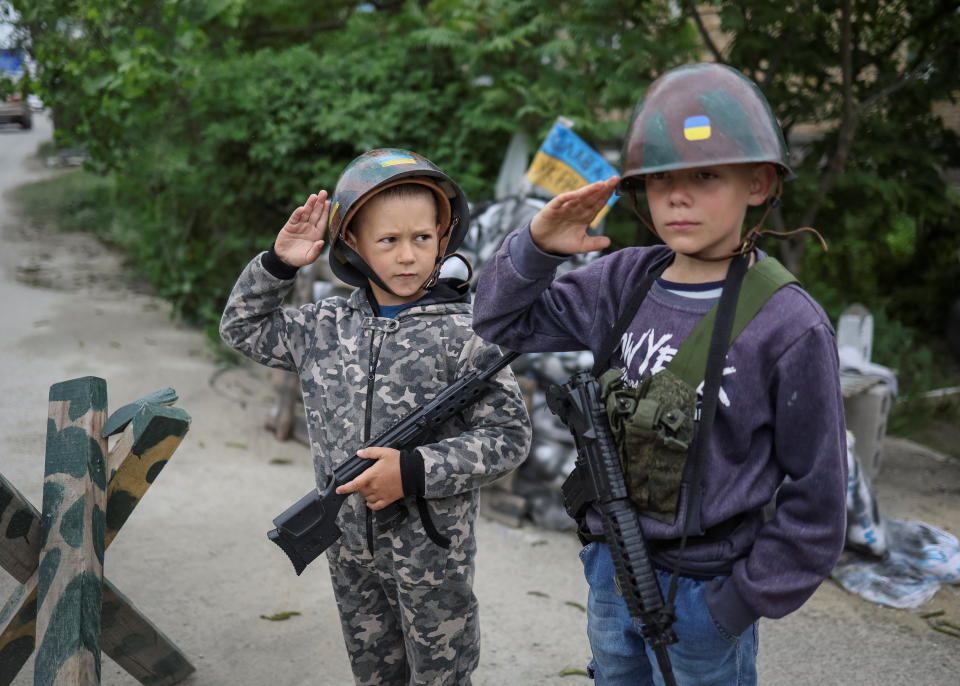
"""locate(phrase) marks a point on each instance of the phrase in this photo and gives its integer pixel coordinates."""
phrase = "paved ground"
(194, 556)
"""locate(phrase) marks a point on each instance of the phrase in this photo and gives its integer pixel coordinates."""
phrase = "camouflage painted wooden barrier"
(65, 609)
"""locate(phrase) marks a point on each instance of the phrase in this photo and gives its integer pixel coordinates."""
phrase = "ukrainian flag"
(696, 128)
(565, 163)
(394, 160)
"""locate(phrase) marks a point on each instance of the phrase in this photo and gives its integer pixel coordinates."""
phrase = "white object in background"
(866, 408)
(855, 330)
(454, 269)
(865, 529)
(512, 181)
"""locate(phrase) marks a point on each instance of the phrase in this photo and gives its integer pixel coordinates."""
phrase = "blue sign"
(11, 62)
(569, 148)
(565, 163)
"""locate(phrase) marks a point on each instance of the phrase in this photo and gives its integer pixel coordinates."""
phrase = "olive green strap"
(761, 281)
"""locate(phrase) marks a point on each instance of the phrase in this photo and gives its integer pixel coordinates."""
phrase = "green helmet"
(375, 171)
(699, 115)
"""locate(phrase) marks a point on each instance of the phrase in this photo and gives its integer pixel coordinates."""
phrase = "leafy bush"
(212, 120)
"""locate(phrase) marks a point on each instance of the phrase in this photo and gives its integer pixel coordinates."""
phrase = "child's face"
(699, 212)
(398, 238)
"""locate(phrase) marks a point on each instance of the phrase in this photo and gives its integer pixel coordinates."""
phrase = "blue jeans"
(706, 654)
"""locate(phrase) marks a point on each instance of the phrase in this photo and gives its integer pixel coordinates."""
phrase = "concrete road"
(194, 556)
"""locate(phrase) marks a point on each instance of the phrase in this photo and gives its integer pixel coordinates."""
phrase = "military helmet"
(699, 115)
(373, 172)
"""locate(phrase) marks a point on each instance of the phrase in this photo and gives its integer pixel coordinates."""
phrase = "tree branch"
(793, 250)
(945, 10)
(849, 116)
(892, 88)
(773, 62)
(694, 14)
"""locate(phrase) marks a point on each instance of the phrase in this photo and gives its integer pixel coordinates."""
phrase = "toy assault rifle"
(598, 479)
(308, 527)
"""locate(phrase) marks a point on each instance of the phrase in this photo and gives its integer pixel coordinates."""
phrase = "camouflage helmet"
(373, 172)
(699, 115)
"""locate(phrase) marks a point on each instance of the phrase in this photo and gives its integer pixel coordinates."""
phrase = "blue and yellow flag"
(565, 163)
(696, 128)
(394, 160)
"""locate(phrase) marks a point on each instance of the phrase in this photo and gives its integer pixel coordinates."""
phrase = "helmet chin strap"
(441, 257)
(750, 238)
(353, 258)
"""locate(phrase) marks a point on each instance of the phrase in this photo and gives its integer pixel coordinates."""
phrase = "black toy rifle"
(308, 527)
(598, 479)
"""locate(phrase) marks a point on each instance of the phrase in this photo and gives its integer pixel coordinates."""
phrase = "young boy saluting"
(703, 147)
(404, 590)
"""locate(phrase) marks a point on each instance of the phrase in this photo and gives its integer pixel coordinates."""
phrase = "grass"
(47, 149)
(924, 364)
(73, 201)
(935, 424)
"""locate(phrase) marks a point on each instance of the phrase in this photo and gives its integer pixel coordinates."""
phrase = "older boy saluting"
(404, 590)
(703, 147)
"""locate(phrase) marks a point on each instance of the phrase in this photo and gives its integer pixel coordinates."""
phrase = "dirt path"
(194, 556)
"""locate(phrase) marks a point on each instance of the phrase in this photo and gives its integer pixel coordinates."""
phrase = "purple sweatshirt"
(780, 415)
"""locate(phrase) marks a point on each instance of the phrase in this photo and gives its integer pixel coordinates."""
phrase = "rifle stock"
(308, 527)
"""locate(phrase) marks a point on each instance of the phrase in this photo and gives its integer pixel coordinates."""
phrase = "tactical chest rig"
(654, 424)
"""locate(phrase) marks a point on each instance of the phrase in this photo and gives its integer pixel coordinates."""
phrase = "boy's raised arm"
(518, 303)
(301, 239)
(254, 322)
(561, 226)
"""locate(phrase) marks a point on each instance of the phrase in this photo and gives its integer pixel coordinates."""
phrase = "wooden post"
(19, 555)
(19, 533)
(70, 584)
(128, 637)
(19, 621)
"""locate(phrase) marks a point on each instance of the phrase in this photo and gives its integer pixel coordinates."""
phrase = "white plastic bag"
(896, 562)
(865, 528)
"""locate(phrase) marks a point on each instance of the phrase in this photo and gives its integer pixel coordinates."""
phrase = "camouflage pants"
(400, 634)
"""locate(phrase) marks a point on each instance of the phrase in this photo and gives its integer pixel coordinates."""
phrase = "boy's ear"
(762, 178)
(350, 239)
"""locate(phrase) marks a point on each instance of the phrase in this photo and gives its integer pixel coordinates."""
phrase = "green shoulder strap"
(761, 281)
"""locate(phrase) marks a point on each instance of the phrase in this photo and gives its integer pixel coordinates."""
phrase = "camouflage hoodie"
(360, 373)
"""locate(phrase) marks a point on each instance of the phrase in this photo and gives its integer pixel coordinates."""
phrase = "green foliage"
(899, 248)
(215, 119)
(889, 217)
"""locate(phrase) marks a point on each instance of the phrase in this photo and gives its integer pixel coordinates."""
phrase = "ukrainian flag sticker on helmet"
(394, 160)
(333, 213)
(696, 128)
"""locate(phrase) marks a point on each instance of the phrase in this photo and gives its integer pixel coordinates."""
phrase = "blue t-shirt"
(391, 311)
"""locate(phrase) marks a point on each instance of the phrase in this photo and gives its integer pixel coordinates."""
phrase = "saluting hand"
(561, 226)
(301, 239)
(381, 484)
